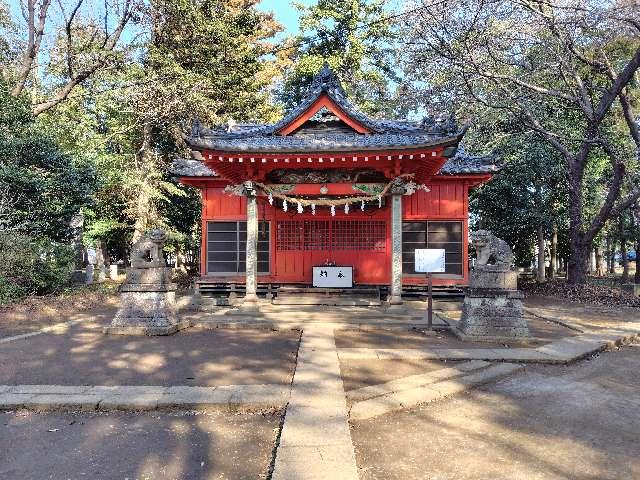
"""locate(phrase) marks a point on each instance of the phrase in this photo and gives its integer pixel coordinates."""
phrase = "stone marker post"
(89, 274)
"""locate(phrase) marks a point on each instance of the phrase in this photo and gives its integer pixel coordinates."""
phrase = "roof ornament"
(326, 79)
(231, 123)
(196, 127)
(444, 124)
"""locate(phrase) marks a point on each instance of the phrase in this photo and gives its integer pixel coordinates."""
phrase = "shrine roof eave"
(298, 145)
(190, 170)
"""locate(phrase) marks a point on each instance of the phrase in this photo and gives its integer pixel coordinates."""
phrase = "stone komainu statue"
(147, 251)
(491, 251)
(492, 307)
(148, 294)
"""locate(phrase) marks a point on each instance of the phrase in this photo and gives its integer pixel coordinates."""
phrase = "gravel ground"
(594, 317)
(27, 319)
(542, 331)
(183, 446)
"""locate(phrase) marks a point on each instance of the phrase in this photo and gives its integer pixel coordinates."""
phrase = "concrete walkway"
(315, 442)
(53, 397)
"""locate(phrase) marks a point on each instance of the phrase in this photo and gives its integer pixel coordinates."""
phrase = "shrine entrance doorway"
(358, 240)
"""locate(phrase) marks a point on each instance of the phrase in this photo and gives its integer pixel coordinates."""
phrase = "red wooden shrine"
(327, 150)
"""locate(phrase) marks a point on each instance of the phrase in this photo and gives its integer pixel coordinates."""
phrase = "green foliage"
(32, 266)
(527, 194)
(357, 42)
(15, 113)
(42, 189)
(198, 59)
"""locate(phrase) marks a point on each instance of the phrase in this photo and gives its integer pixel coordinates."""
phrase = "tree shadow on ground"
(551, 423)
(148, 445)
(82, 355)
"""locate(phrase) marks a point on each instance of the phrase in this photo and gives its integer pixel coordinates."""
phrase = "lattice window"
(227, 246)
(365, 235)
(431, 234)
(358, 235)
(289, 235)
(316, 234)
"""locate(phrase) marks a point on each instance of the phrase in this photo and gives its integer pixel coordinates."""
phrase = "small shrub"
(32, 266)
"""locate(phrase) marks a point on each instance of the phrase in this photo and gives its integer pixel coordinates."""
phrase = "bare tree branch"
(35, 33)
(76, 78)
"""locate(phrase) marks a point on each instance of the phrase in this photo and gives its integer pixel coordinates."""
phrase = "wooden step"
(359, 296)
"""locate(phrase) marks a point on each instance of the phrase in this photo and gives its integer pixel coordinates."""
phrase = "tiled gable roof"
(460, 164)
(385, 133)
(464, 163)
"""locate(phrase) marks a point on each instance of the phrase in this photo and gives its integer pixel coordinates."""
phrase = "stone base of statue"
(147, 295)
(492, 308)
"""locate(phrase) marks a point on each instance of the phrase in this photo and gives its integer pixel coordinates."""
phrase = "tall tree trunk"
(623, 250)
(612, 255)
(635, 228)
(146, 215)
(578, 263)
(541, 273)
(636, 277)
(553, 253)
(608, 252)
(600, 269)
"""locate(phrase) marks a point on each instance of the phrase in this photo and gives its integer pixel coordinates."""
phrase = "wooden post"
(429, 302)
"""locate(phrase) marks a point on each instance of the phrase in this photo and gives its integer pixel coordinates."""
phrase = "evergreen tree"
(357, 41)
(199, 59)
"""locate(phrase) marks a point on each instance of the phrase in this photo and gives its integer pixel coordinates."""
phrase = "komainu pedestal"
(147, 295)
(492, 308)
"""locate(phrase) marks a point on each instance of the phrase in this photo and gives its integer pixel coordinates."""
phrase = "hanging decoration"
(280, 191)
(333, 210)
(325, 202)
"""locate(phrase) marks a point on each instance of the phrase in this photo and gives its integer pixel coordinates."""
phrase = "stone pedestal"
(492, 308)
(148, 296)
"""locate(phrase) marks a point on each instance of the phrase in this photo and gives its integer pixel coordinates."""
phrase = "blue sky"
(284, 12)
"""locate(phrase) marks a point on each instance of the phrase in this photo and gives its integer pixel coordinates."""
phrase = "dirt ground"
(362, 373)
(577, 422)
(83, 355)
(542, 331)
(185, 446)
(95, 302)
(593, 317)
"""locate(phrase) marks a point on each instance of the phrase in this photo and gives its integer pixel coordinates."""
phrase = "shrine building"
(327, 185)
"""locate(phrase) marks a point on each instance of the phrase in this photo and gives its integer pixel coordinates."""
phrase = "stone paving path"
(315, 442)
(52, 397)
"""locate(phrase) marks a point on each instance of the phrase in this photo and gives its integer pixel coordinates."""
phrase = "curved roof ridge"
(326, 82)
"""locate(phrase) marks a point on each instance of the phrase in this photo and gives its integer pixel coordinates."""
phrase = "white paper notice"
(429, 260)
